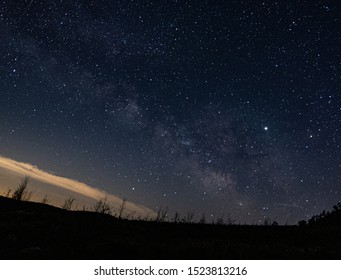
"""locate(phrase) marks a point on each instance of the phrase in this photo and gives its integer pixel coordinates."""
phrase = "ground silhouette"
(30, 230)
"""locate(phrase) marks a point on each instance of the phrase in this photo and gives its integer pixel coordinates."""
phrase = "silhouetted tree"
(337, 207)
(327, 218)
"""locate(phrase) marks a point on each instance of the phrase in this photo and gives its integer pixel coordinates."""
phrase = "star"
(191, 106)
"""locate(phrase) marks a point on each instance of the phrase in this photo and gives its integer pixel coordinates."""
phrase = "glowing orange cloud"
(61, 186)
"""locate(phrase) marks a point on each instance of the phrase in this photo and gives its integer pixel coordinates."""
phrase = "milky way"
(228, 108)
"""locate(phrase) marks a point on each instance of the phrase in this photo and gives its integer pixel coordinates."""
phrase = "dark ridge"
(31, 230)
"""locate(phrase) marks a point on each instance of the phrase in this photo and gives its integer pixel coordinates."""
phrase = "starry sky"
(231, 108)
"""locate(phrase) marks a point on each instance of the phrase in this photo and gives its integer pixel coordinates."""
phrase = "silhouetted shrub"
(21, 192)
(67, 205)
(202, 219)
(102, 206)
(8, 193)
(302, 223)
(188, 218)
(220, 220)
(44, 200)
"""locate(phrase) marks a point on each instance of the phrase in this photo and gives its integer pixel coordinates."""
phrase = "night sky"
(232, 108)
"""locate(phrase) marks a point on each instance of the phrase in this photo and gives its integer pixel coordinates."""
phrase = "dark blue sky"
(225, 107)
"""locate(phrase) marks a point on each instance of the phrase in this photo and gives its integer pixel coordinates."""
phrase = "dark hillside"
(38, 231)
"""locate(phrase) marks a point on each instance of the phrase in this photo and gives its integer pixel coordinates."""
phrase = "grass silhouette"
(102, 206)
(31, 230)
(21, 192)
